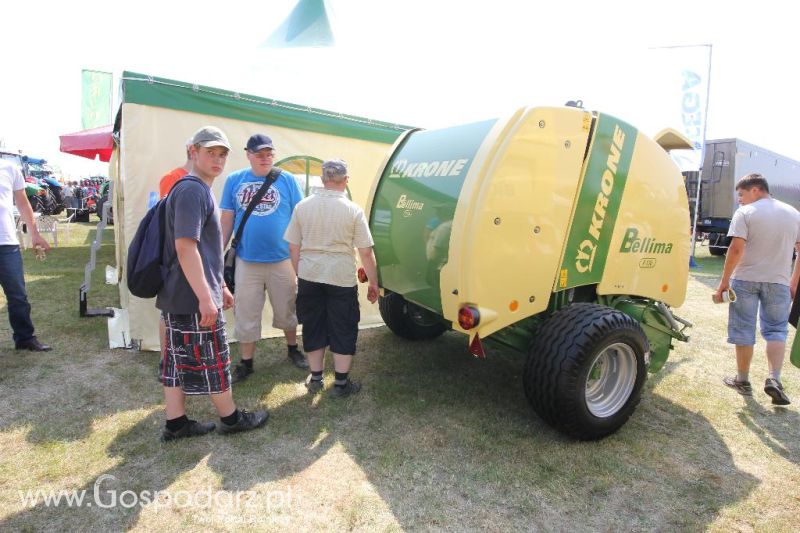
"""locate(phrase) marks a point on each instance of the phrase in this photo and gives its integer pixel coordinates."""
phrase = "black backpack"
(145, 271)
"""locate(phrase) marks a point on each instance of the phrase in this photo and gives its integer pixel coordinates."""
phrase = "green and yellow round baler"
(557, 231)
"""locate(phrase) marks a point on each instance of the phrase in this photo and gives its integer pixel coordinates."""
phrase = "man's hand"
(38, 240)
(732, 258)
(227, 299)
(370, 272)
(722, 287)
(208, 313)
(372, 291)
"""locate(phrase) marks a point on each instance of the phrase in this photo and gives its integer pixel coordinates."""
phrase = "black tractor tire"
(37, 204)
(58, 197)
(586, 369)
(716, 239)
(408, 320)
(48, 204)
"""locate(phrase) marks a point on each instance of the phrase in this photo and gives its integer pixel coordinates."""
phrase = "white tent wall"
(152, 141)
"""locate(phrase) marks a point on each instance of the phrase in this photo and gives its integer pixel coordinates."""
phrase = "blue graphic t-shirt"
(262, 240)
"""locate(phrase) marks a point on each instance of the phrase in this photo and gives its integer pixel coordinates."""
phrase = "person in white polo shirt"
(323, 233)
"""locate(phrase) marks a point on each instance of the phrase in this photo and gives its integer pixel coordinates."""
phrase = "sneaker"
(240, 373)
(351, 387)
(192, 429)
(247, 420)
(742, 387)
(314, 385)
(298, 359)
(774, 390)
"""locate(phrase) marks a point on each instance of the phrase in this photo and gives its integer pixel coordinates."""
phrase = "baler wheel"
(586, 369)
(409, 321)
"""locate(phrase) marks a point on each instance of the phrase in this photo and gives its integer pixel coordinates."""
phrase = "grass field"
(437, 440)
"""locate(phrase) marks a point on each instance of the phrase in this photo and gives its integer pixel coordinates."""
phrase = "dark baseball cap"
(259, 142)
(210, 136)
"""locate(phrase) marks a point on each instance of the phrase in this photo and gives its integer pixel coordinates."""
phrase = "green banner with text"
(95, 99)
(598, 203)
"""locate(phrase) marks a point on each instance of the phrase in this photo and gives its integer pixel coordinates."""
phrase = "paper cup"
(728, 296)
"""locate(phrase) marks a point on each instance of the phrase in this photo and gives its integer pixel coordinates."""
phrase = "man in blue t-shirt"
(262, 255)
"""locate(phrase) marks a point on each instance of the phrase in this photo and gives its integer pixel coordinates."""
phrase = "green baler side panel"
(414, 206)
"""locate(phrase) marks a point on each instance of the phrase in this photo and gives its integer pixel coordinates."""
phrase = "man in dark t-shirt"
(197, 358)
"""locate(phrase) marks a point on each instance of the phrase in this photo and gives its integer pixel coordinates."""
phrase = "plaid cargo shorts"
(197, 358)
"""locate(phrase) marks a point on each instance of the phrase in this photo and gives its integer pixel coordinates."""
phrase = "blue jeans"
(12, 279)
(770, 301)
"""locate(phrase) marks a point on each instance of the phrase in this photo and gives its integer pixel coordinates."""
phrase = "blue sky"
(426, 63)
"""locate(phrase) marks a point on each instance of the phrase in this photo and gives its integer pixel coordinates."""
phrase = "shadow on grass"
(774, 426)
(446, 441)
(669, 367)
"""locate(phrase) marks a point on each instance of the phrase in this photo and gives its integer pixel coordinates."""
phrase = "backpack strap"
(187, 177)
(268, 181)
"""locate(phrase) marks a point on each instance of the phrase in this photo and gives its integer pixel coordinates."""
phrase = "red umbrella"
(89, 143)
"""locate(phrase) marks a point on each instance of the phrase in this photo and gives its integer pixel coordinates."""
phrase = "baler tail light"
(468, 317)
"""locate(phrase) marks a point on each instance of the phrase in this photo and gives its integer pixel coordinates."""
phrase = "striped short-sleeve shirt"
(328, 227)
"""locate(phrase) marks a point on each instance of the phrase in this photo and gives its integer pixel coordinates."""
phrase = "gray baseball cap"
(210, 136)
(334, 167)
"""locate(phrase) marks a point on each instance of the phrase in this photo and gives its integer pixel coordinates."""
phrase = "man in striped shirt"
(324, 231)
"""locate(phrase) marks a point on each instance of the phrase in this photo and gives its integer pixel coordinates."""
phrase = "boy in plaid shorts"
(197, 359)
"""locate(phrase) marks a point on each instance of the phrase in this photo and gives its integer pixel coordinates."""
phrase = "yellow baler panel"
(513, 217)
(649, 250)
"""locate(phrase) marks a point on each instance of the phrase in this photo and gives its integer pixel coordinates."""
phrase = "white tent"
(158, 115)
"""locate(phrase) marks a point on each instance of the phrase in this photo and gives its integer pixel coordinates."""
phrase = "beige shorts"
(252, 281)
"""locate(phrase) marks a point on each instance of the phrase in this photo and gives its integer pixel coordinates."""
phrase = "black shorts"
(197, 359)
(330, 316)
